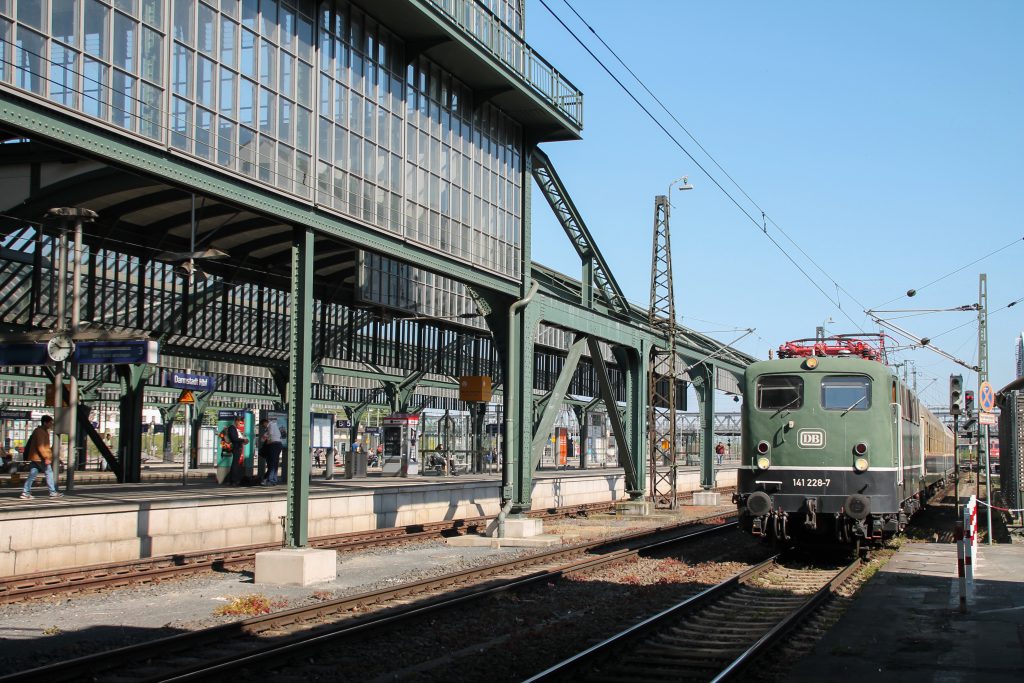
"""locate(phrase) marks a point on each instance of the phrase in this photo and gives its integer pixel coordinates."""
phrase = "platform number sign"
(812, 438)
(986, 397)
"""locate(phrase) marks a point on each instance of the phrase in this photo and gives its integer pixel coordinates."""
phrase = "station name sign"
(117, 352)
(183, 380)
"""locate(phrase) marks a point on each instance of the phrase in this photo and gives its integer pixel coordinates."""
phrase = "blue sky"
(886, 139)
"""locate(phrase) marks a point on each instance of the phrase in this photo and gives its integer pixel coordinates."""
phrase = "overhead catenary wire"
(739, 187)
(704, 170)
(915, 290)
(763, 227)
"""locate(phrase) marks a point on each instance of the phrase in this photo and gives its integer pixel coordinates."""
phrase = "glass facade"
(313, 99)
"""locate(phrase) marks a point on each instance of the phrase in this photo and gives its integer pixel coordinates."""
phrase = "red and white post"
(960, 563)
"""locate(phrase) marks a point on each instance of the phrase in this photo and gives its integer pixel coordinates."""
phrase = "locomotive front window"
(839, 392)
(775, 392)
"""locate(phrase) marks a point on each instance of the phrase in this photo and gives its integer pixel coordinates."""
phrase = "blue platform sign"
(183, 380)
(116, 352)
(23, 353)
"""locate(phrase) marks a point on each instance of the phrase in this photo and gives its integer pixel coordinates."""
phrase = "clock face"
(60, 347)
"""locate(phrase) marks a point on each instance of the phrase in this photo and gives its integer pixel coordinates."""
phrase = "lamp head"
(686, 184)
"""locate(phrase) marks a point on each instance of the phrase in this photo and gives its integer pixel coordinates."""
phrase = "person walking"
(40, 453)
(274, 448)
(236, 435)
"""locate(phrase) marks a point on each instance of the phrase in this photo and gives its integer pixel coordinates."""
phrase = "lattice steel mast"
(661, 380)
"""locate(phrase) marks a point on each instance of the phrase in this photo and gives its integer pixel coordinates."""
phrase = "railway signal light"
(969, 401)
(956, 394)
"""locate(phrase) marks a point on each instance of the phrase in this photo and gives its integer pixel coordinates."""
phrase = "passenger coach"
(835, 446)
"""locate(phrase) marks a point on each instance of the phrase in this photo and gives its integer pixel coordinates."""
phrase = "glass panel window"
(30, 12)
(94, 88)
(181, 71)
(248, 59)
(96, 43)
(28, 60)
(228, 30)
(150, 123)
(65, 26)
(124, 42)
(845, 392)
(152, 55)
(207, 38)
(775, 392)
(184, 19)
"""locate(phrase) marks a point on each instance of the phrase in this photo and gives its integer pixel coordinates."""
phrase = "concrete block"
(7, 564)
(48, 532)
(343, 525)
(18, 535)
(92, 553)
(339, 506)
(296, 566)
(711, 498)
(235, 537)
(55, 558)
(215, 538)
(518, 527)
(158, 523)
(129, 549)
(634, 508)
(26, 562)
(263, 534)
(183, 520)
(258, 514)
(228, 516)
(319, 508)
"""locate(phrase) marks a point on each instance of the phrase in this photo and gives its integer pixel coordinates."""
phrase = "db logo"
(812, 438)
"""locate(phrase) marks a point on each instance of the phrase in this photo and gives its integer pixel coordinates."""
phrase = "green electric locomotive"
(835, 447)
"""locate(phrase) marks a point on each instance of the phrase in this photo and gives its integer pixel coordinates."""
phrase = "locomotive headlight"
(860, 460)
(811, 363)
(763, 461)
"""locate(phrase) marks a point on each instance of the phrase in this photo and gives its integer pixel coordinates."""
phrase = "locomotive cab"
(831, 446)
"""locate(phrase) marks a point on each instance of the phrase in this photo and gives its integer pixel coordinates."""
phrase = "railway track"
(119, 574)
(216, 652)
(711, 636)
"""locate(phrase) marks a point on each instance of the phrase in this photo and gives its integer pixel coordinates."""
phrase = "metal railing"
(491, 34)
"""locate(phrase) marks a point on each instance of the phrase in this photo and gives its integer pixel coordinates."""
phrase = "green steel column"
(704, 383)
(634, 371)
(519, 407)
(299, 403)
(522, 326)
(130, 435)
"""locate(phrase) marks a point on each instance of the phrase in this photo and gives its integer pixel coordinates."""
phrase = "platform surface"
(905, 624)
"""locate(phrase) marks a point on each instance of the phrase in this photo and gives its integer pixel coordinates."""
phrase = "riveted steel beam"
(299, 390)
(595, 268)
(547, 418)
(37, 121)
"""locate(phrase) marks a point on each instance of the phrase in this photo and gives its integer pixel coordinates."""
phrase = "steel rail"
(571, 668)
(787, 624)
(93, 665)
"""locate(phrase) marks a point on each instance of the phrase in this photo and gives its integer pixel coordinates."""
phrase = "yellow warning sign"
(186, 397)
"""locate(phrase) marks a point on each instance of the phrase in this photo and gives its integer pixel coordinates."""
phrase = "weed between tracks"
(250, 606)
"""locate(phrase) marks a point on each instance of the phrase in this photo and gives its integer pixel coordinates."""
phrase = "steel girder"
(704, 383)
(42, 123)
(299, 404)
(595, 268)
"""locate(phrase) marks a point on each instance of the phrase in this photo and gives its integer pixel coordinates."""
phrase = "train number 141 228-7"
(811, 482)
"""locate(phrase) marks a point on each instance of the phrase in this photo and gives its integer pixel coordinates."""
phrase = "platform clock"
(60, 347)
